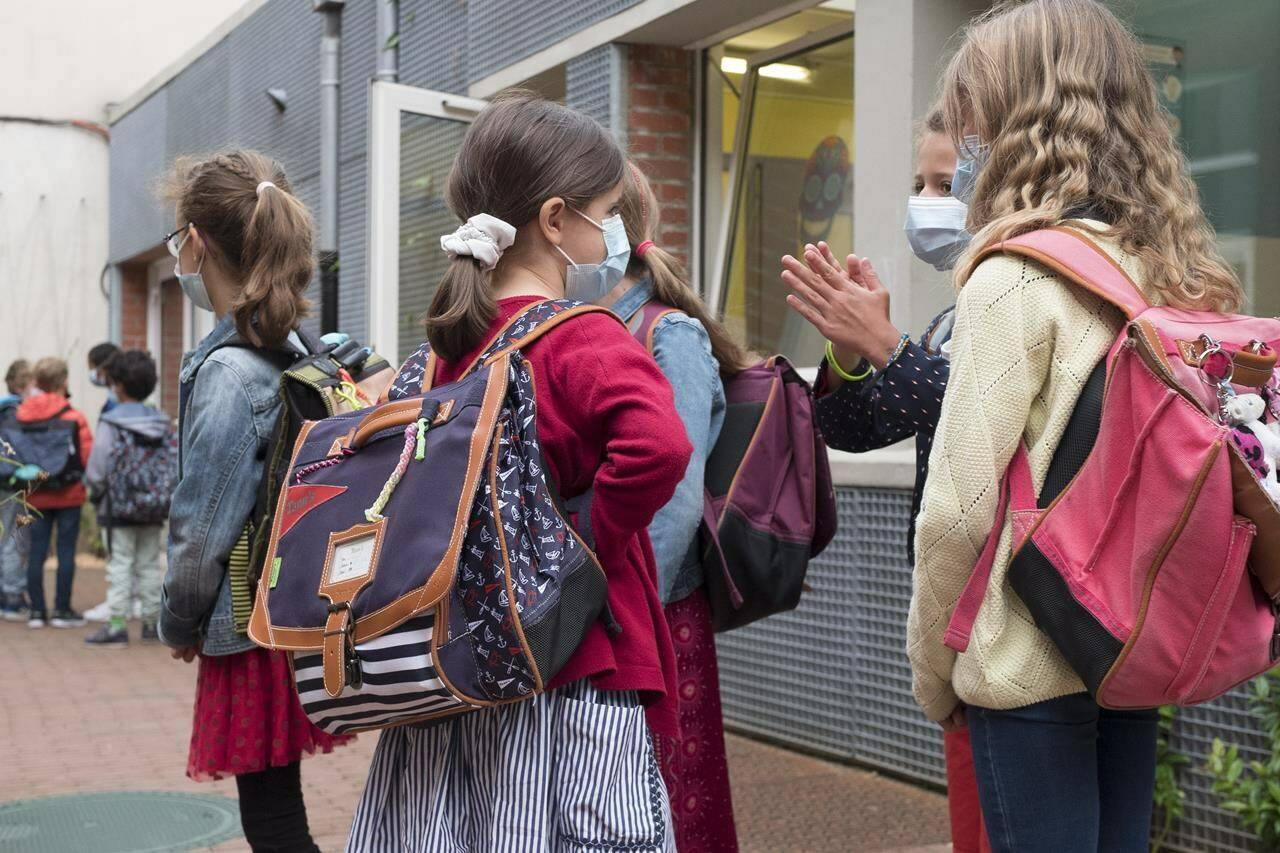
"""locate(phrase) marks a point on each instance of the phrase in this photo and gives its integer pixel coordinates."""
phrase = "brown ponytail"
(263, 239)
(520, 151)
(670, 280)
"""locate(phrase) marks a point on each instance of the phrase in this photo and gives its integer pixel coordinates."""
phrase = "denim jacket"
(682, 349)
(228, 404)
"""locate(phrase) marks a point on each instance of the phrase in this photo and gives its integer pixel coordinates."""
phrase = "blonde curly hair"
(1059, 91)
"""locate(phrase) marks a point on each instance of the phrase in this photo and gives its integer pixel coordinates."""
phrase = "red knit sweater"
(606, 417)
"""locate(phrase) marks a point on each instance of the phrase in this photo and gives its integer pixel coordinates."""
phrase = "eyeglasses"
(171, 241)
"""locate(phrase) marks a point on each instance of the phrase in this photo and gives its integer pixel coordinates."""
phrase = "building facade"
(764, 124)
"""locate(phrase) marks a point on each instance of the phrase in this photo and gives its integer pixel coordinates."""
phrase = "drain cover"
(117, 822)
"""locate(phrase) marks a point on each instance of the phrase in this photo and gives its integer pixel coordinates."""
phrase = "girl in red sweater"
(573, 768)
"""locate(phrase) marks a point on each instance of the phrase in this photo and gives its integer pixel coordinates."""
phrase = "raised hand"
(849, 306)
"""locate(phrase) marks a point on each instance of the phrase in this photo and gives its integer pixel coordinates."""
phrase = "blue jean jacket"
(228, 404)
(682, 349)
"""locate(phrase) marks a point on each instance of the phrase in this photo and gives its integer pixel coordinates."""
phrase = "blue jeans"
(1065, 775)
(14, 542)
(67, 522)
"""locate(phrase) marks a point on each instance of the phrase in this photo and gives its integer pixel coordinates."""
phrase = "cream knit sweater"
(1025, 342)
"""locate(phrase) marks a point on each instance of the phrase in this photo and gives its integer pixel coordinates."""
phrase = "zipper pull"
(421, 452)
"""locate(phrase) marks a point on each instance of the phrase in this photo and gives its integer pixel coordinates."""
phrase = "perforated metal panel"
(503, 32)
(278, 47)
(359, 59)
(199, 118)
(433, 45)
(594, 84)
(137, 220)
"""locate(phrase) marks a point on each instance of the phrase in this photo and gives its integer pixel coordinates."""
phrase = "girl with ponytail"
(694, 351)
(538, 188)
(243, 250)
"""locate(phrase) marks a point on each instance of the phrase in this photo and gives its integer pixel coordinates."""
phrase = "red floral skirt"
(248, 718)
(694, 766)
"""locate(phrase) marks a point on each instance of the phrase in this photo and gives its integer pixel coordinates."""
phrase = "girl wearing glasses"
(244, 252)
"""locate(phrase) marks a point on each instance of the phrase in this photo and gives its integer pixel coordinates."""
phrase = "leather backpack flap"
(354, 550)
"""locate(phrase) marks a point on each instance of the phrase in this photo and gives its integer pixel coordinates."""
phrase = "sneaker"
(67, 619)
(107, 637)
(36, 619)
(149, 633)
(100, 613)
(14, 608)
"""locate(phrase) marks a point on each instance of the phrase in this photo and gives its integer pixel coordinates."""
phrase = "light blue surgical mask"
(592, 282)
(192, 283)
(969, 162)
(935, 229)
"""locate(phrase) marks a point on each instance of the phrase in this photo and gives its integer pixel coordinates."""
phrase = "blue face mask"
(969, 162)
(192, 283)
(592, 282)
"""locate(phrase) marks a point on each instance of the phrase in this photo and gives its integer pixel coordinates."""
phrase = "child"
(243, 250)
(99, 357)
(572, 768)
(58, 508)
(15, 539)
(133, 544)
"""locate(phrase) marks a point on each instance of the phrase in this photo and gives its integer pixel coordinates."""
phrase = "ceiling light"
(733, 65)
(782, 71)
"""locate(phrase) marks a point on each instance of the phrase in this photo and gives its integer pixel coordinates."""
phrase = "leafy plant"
(1252, 791)
(1169, 798)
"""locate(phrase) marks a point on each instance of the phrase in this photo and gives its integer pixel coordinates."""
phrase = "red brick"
(642, 143)
(667, 169)
(660, 122)
(676, 99)
(646, 96)
(676, 143)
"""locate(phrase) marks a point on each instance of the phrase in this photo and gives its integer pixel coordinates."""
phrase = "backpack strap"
(643, 322)
(1077, 258)
(417, 374)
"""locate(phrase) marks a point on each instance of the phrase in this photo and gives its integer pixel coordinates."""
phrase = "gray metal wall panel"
(592, 82)
(433, 45)
(359, 60)
(278, 47)
(136, 217)
(503, 32)
(200, 105)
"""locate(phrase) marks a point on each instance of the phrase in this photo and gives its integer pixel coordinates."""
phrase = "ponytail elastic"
(642, 248)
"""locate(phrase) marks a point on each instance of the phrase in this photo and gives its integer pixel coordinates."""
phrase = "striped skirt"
(569, 770)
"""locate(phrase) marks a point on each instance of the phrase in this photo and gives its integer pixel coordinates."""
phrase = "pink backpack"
(1156, 569)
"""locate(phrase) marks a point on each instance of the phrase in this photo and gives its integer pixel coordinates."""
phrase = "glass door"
(791, 184)
(413, 137)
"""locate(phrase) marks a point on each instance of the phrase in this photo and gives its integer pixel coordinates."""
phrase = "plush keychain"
(1258, 442)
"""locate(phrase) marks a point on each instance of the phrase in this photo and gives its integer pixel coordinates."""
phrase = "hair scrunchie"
(482, 237)
(642, 248)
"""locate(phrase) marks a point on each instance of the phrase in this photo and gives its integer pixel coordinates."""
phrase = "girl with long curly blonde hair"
(1057, 124)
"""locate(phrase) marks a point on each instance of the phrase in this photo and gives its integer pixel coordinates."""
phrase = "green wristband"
(840, 371)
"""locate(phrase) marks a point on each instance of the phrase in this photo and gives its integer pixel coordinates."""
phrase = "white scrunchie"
(482, 237)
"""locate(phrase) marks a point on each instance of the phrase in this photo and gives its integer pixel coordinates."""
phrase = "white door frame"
(387, 101)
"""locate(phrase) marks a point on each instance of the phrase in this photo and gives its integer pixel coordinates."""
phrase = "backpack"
(421, 564)
(1152, 559)
(770, 506)
(51, 445)
(143, 474)
(335, 375)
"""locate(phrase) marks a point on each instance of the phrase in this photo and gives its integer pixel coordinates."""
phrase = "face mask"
(192, 284)
(592, 282)
(969, 163)
(935, 229)
(96, 380)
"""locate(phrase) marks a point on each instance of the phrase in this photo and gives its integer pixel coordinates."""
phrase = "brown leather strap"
(1251, 369)
(336, 634)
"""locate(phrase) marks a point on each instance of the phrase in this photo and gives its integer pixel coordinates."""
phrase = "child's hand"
(186, 655)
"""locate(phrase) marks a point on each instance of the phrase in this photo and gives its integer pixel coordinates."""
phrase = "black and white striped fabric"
(571, 769)
(400, 682)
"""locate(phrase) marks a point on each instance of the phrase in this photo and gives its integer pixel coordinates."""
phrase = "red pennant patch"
(300, 500)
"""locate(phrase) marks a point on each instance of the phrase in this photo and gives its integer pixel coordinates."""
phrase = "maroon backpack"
(770, 506)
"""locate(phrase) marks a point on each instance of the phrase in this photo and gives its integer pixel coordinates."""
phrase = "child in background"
(99, 356)
(133, 436)
(14, 539)
(58, 508)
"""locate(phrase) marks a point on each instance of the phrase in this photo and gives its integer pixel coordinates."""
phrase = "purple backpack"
(770, 506)
(420, 565)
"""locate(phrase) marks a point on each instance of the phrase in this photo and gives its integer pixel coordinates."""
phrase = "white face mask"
(592, 282)
(192, 284)
(935, 229)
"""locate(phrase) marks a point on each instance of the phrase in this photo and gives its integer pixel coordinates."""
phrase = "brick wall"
(660, 134)
(171, 307)
(133, 306)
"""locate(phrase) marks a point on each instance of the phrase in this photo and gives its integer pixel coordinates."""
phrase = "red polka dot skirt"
(248, 718)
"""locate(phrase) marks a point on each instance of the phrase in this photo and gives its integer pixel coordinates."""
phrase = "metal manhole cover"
(117, 822)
